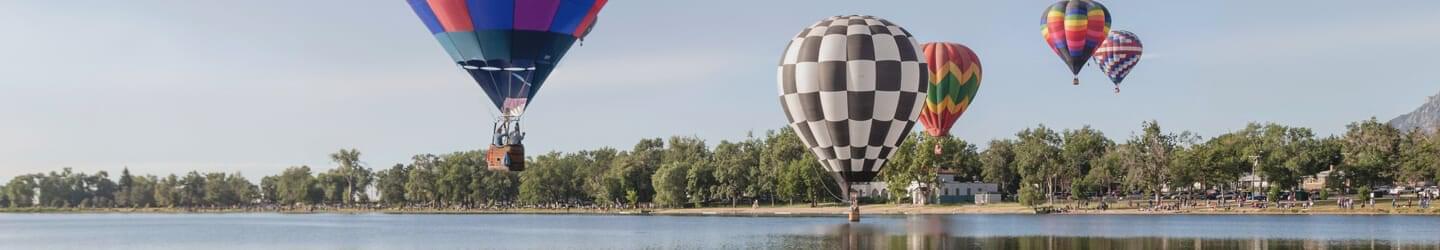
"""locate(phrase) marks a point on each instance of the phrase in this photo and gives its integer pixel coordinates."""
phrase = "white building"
(949, 189)
(1254, 181)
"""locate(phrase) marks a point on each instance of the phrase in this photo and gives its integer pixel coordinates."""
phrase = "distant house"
(948, 189)
(872, 190)
(1251, 180)
(1318, 181)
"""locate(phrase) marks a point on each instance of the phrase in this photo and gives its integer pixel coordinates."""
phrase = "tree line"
(1038, 164)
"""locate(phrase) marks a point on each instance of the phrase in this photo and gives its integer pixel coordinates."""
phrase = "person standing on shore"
(1372, 199)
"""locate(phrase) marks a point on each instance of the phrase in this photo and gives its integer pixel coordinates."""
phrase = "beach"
(825, 209)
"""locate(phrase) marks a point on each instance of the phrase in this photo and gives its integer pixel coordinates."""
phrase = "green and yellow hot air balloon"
(954, 79)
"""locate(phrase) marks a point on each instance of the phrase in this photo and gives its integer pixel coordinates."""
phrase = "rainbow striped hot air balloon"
(1074, 29)
(954, 80)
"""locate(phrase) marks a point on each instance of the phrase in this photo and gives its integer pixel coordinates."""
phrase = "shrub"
(1031, 197)
(1273, 195)
(1362, 194)
(1079, 189)
(1324, 193)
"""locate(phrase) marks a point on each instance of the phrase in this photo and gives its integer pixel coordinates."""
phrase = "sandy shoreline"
(792, 210)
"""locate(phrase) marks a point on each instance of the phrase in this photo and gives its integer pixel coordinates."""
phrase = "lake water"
(386, 231)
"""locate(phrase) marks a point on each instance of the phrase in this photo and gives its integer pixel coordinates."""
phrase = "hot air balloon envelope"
(508, 46)
(1118, 55)
(1074, 29)
(954, 80)
(852, 87)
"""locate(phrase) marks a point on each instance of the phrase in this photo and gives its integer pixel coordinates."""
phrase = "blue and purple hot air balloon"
(509, 46)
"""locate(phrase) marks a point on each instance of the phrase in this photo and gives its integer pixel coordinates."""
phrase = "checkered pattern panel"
(852, 88)
(1120, 52)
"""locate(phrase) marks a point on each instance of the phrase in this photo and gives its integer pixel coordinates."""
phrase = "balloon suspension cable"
(832, 193)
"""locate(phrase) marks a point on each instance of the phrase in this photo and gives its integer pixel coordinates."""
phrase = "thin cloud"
(676, 67)
(1354, 34)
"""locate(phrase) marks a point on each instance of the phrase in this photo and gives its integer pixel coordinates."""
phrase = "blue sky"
(256, 86)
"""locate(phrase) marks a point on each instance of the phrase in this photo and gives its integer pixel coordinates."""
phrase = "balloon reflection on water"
(937, 232)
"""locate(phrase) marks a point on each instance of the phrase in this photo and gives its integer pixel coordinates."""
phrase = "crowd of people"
(1421, 201)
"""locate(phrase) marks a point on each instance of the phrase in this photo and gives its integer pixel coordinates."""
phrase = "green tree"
(331, 187)
(630, 175)
(696, 174)
(670, 184)
(192, 190)
(1286, 154)
(1371, 151)
(245, 192)
(21, 190)
(1221, 160)
(550, 178)
(686, 149)
(4, 198)
(167, 191)
(917, 161)
(1154, 151)
(390, 183)
(780, 149)
(420, 185)
(802, 181)
(356, 177)
(911, 163)
(102, 189)
(296, 185)
(269, 189)
(218, 192)
(962, 157)
(139, 192)
(735, 164)
(126, 186)
(700, 183)
(1031, 195)
(1419, 156)
(1038, 159)
(1079, 150)
(998, 165)
(499, 187)
(602, 160)
(454, 174)
(1109, 170)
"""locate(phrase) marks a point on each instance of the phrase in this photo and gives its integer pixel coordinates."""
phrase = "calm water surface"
(385, 231)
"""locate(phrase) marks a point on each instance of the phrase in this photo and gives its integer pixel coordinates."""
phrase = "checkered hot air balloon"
(954, 80)
(1074, 29)
(1118, 55)
(852, 87)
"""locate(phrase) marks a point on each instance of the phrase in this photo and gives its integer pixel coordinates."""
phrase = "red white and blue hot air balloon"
(1118, 55)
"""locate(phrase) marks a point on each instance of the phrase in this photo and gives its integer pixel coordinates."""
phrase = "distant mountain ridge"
(1427, 117)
